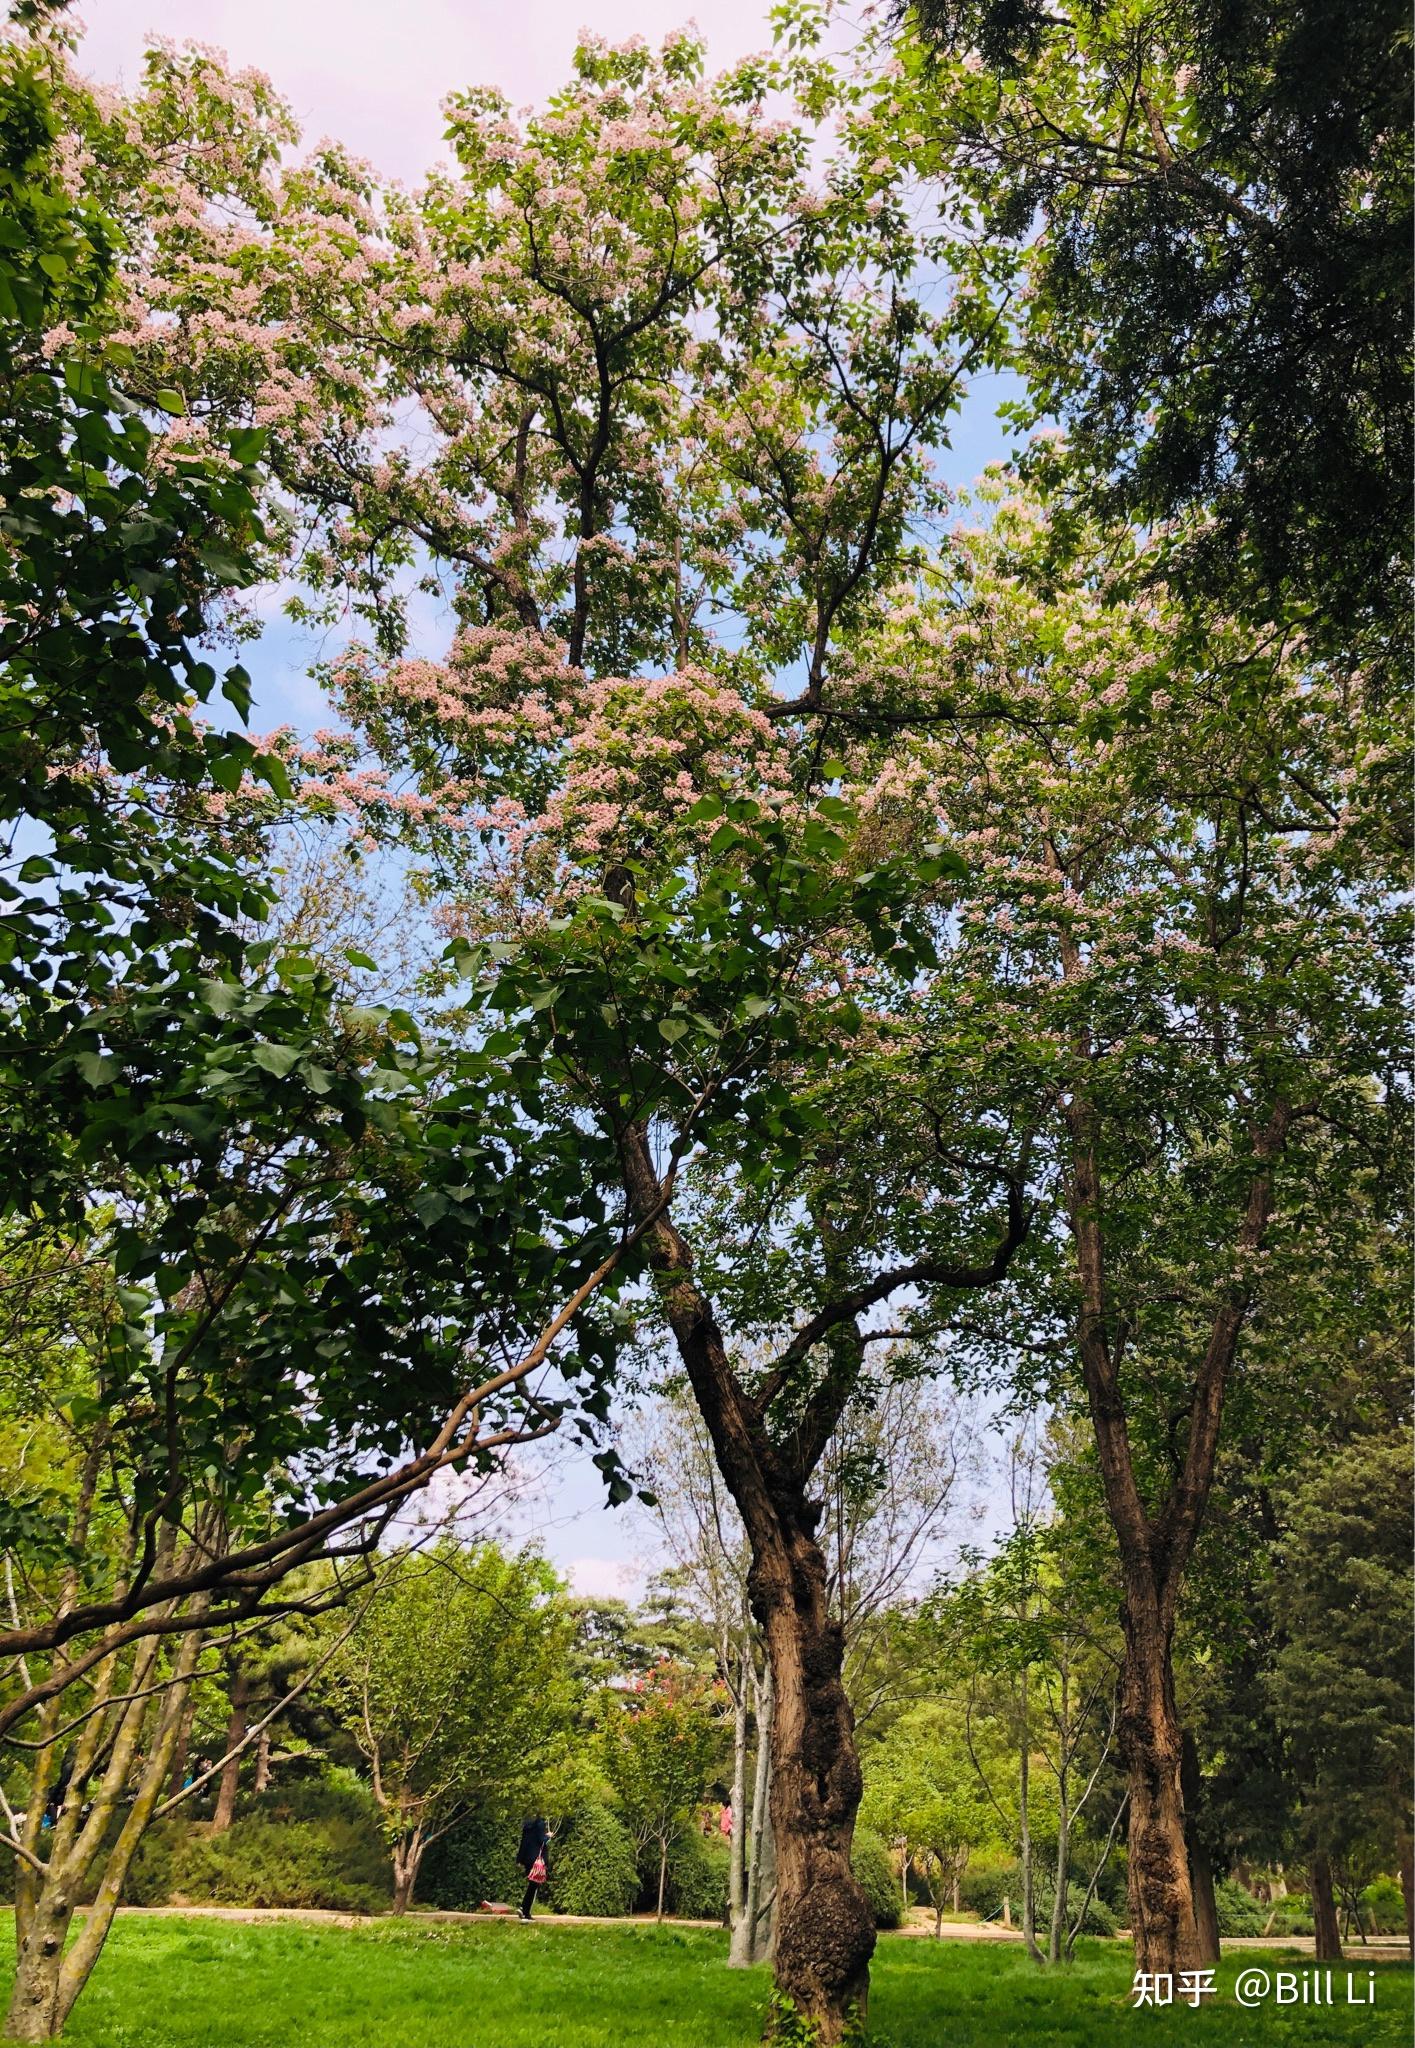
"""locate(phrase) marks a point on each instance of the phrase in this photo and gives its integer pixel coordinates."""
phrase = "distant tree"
(455, 1691)
(1341, 1682)
(661, 1747)
(922, 1791)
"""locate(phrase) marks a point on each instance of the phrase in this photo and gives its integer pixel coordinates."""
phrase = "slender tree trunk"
(662, 1874)
(1024, 1830)
(747, 1946)
(1201, 1869)
(407, 1860)
(737, 1843)
(1151, 1745)
(230, 1780)
(1063, 1877)
(48, 1979)
(1407, 1885)
(1324, 1919)
(262, 1762)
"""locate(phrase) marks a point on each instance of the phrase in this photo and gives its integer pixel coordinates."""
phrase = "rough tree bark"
(1324, 1921)
(824, 1931)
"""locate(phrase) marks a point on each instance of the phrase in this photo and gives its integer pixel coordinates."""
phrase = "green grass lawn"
(169, 1983)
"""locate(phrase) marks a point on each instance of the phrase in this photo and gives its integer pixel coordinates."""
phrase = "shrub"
(260, 1861)
(986, 1882)
(1239, 1913)
(1292, 1915)
(1383, 1907)
(593, 1870)
(152, 1874)
(697, 1877)
(476, 1861)
(875, 1874)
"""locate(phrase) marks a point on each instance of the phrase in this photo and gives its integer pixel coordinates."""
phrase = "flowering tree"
(661, 1745)
(1183, 868)
(841, 905)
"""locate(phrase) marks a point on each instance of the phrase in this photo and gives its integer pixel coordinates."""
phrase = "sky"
(373, 74)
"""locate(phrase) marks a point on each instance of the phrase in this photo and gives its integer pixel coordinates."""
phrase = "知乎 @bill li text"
(1255, 1986)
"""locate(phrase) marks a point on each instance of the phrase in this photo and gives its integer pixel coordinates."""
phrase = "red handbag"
(536, 1873)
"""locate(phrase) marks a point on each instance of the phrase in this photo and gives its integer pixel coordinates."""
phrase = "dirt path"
(1383, 1948)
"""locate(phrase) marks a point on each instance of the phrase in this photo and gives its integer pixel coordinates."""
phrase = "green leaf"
(276, 1059)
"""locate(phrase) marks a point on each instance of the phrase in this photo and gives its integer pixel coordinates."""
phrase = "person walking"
(535, 1835)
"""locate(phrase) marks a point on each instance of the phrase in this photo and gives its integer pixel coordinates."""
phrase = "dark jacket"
(534, 1836)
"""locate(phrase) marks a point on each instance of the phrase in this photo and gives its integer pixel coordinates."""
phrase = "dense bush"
(697, 1877)
(152, 1874)
(260, 1861)
(986, 1882)
(1292, 1915)
(1383, 1907)
(593, 1868)
(876, 1876)
(476, 1862)
(1239, 1913)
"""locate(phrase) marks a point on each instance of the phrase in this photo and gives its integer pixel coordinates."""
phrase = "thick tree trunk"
(825, 1931)
(1152, 1746)
(1201, 1869)
(1324, 1919)
(34, 1999)
(230, 1780)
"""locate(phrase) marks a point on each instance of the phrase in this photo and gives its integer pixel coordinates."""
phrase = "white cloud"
(604, 1578)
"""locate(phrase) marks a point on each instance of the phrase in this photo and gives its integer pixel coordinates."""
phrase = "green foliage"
(877, 1878)
(1341, 1682)
(475, 1862)
(260, 1861)
(659, 1746)
(593, 1868)
(1383, 1907)
(697, 1877)
(455, 1686)
(1239, 1913)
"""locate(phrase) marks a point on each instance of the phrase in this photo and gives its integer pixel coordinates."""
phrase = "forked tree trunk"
(1324, 1920)
(824, 1928)
(49, 1977)
(1201, 1869)
(407, 1860)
